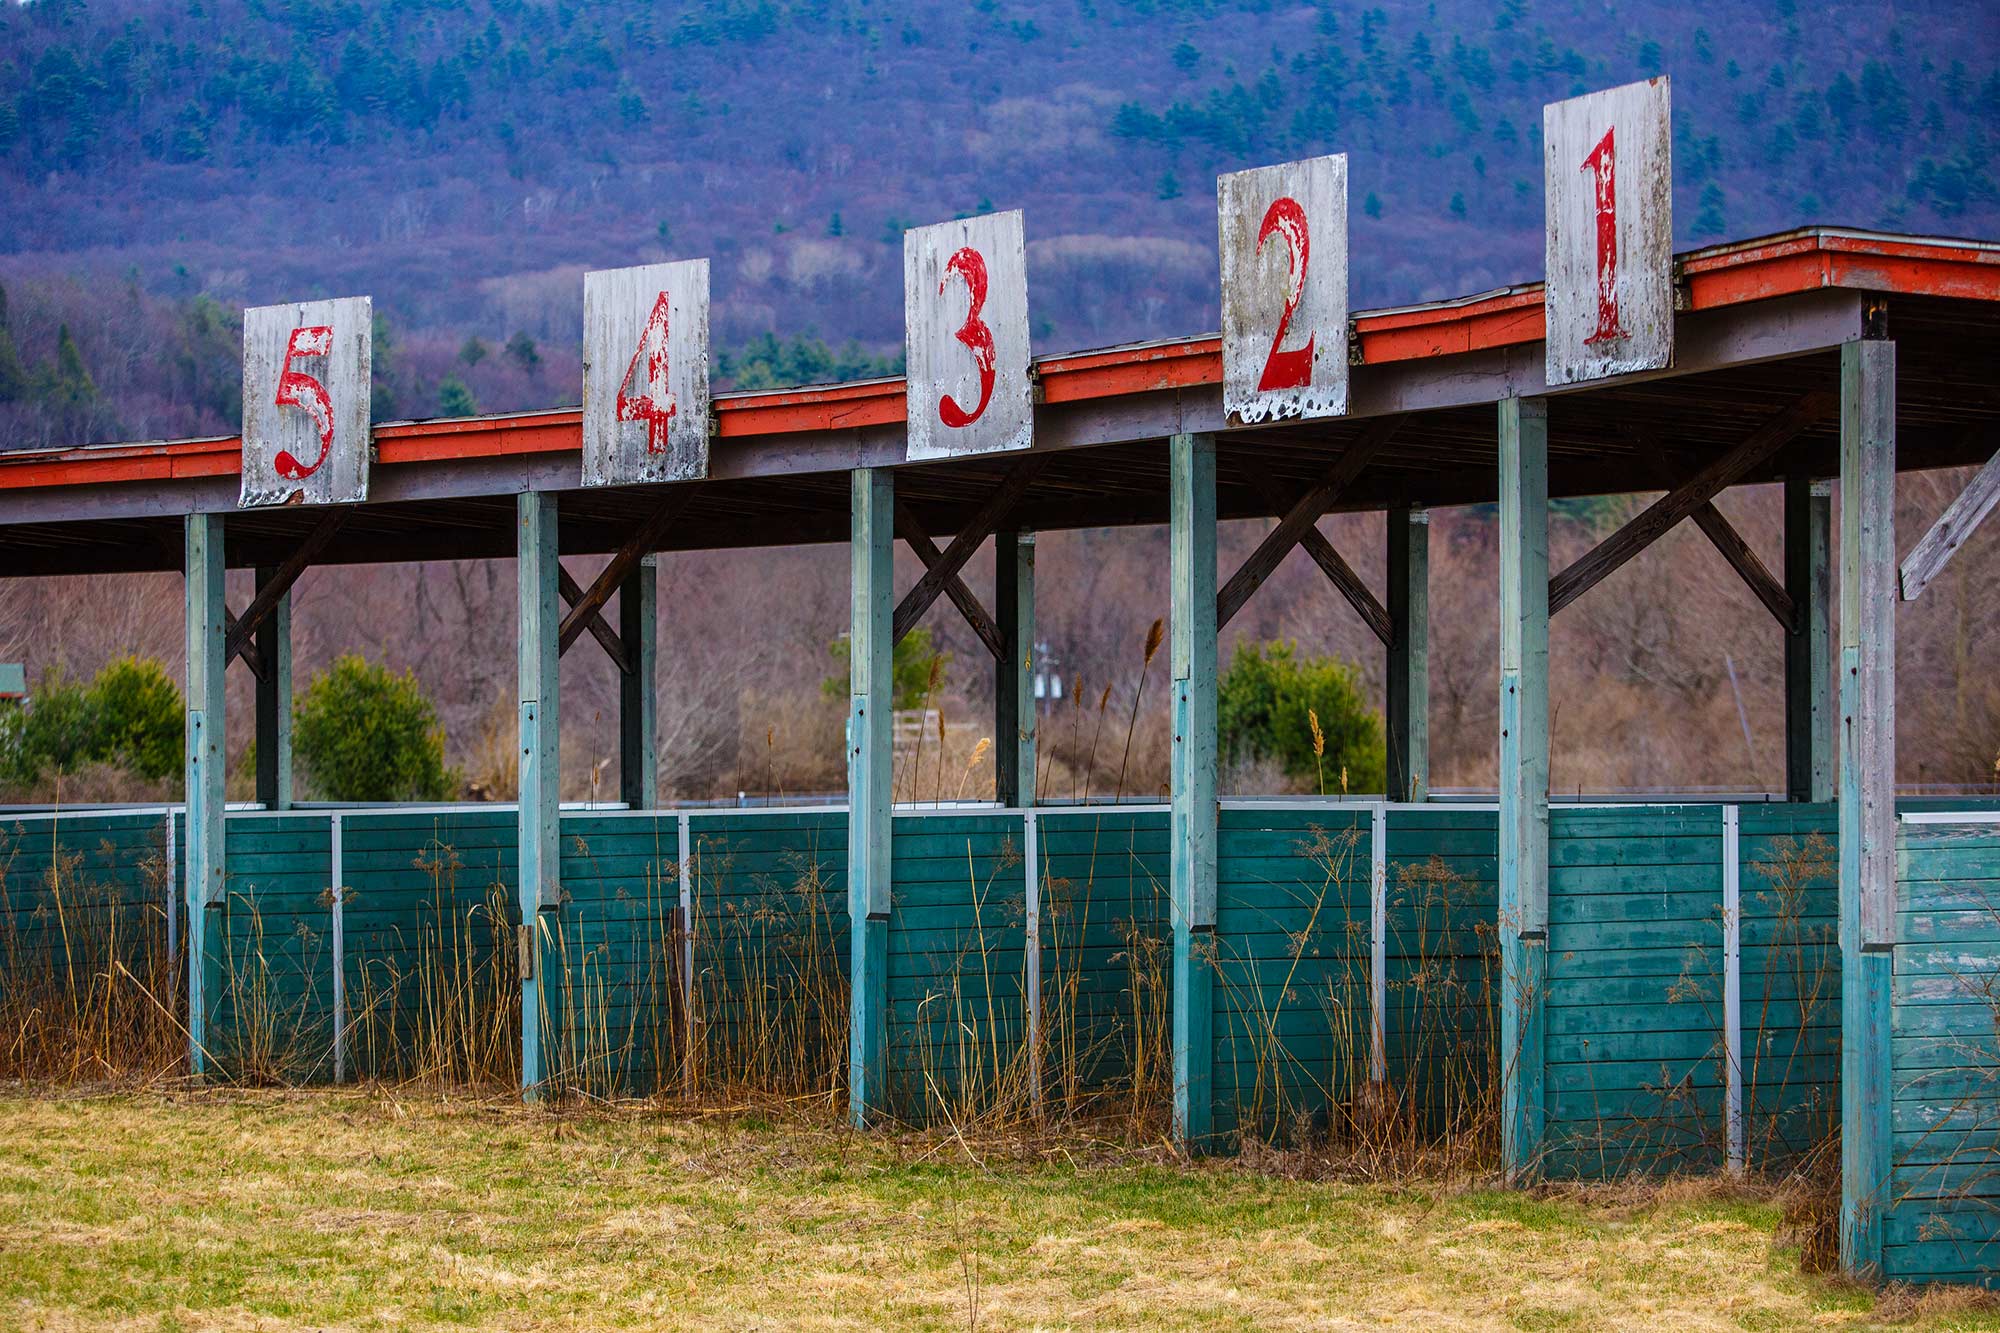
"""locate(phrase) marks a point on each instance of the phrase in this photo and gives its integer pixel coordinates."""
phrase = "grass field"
(368, 1209)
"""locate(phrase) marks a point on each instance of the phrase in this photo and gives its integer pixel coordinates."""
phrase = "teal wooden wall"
(1441, 1014)
(273, 1020)
(76, 892)
(1943, 1219)
(614, 1020)
(1106, 954)
(770, 948)
(1292, 955)
(958, 1010)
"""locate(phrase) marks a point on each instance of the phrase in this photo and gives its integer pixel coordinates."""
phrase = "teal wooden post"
(536, 576)
(1191, 843)
(1524, 778)
(870, 776)
(1867, 792)
(1809, 745)
(1409, 686)
(274, 703)
(1014, 709)
(207, 621)
(638, 726)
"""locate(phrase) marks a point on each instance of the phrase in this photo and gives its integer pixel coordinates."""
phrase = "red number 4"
(970, 265)
(1603, 166)
(298, 389)
(646, 397)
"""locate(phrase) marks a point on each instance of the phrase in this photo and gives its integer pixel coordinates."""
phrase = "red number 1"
(1293, 369)
(649, 400)
(1602, 164)
(298, 389)
(970, 265)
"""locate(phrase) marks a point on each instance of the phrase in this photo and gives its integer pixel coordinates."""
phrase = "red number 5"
(649, 401)
(1603, 166)
(298, 389)
(978, 339)
(1293, 369)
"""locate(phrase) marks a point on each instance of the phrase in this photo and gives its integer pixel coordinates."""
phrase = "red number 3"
(298, 389)
(1293, 369)
(1602, 164)
(978, 339)
(653, 402)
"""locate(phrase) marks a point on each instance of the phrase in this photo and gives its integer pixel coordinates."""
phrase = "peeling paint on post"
(1524, 779)
(965, 328)
(645, 374)
(1191, 840)
(307, 375)
(1609, 189)
(206, 888)
(539, 810)
(1284, 291)
(870, 779)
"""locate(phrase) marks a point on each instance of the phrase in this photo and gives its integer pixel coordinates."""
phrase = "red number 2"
(970, 265)
(649, 400)
(298, 389)
(1602, 164)
(1293, 369)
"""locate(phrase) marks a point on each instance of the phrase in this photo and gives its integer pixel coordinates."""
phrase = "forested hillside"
(465, 160)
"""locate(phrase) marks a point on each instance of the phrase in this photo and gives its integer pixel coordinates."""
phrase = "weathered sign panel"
(306, 374)
(965, 326)
(1610, 191)
(645, 374)
(1284, 290)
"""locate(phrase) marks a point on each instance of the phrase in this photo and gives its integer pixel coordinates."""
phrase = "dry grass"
(367, 1209)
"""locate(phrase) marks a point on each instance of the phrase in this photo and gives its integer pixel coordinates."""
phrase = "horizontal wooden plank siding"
(1636, 1064)
(1441, 1014)
(272, 1020)
(958, 965)
(1291, 958)
(1943, 1222)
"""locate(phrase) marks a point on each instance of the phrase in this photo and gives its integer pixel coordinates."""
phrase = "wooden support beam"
(1191, 843)
(870, 790)
(981, 525)
(1959, 520)
(539, 818)
(638, 704)
(983, 624)
(205, 794)
(1408, 695)
(283, 577)
(1729, 543)
(274, 702)
(1809, 702)
(1014, 709)
(606, 637)
(1302, 516)
(1660, 516)
(643, 542)
(251, 658)
(1524, 781)
(1334, 566)
(1867, 795)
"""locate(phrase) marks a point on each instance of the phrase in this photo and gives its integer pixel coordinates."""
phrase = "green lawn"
(368, 1209)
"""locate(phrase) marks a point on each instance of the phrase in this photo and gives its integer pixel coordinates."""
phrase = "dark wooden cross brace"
(941, 568)
(1682, 502)
(1953, 526)
(585, 611)
(1337, 570)
(614, 647)
(1722, 534)
(238, 640)
(1302, 519)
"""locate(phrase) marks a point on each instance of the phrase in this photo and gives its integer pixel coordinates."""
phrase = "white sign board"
(965, 327)
(1284, 290)
(306, 377)
(1610, 192)
(645, 374)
